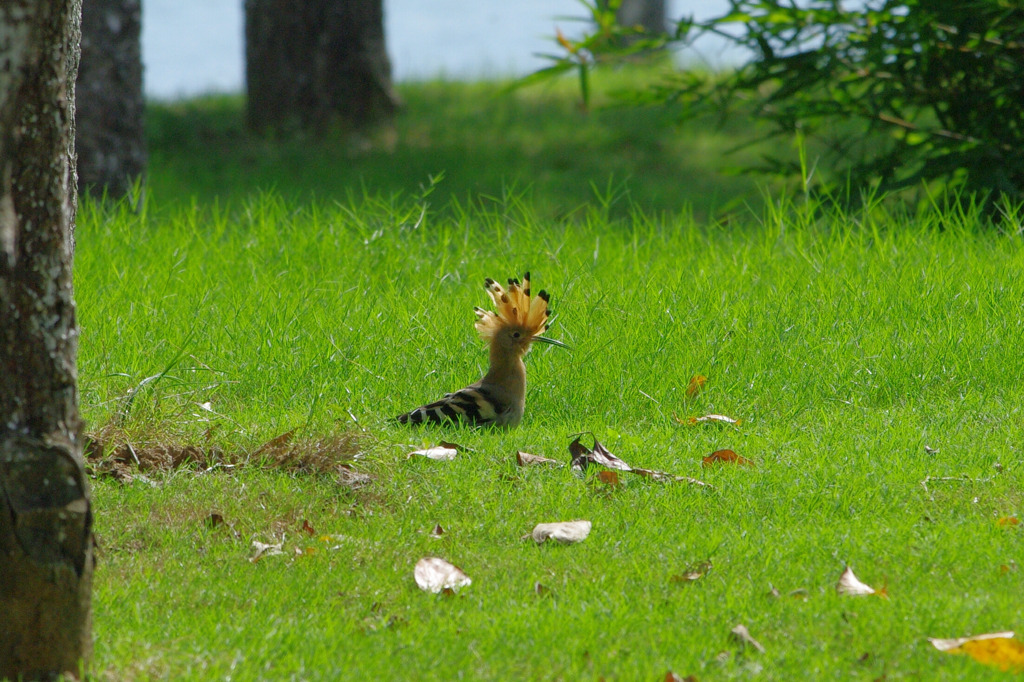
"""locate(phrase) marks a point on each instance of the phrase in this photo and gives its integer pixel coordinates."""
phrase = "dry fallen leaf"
(437, 575)
(541, 590)
(601, 455)
(996, 649)
(849, 585)
(583, 457)
(1008, 521)
(214, 520)
(263, 550)
(696, 384)
(674, 677)
(707, 419)
(693, 572)
(526, 459)
(564, 532)
(275, 443)
(609, 477)
(742, 635)
(438, 452)
(350, 478)
(307, 527)
(726, 456)
(437, 532)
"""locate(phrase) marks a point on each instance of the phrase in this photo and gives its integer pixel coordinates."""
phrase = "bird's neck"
(507, 370)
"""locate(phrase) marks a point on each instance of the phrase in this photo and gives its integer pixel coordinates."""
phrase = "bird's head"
(518, 319)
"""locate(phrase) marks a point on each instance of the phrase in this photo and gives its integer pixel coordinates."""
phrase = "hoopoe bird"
(499, 398)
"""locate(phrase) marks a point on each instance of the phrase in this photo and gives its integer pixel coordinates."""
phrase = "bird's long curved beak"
(553, 342)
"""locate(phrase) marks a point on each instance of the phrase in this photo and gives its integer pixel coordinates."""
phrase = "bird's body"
(499, 398)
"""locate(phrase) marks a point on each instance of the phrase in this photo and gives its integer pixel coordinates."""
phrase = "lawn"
(281, 301)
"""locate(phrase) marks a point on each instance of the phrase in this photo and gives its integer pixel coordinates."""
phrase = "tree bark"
(109, 118)
(647, 13)
(317, 63)
(46, 555)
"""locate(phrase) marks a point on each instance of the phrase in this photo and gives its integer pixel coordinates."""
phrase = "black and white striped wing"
(472, 404)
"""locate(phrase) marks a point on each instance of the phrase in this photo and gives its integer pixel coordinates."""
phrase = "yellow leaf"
(998, 649)
(1003, 653)
(727, 456)
(695, 386)
(564, 42)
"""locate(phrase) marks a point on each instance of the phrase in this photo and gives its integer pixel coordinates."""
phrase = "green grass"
(845, 343)
(484, 141)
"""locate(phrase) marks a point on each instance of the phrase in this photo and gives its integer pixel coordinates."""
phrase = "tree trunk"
(45, 519)
(650, 14)
(316, 63)
(109, 118)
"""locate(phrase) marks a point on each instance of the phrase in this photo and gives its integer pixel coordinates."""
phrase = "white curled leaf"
(437, 575)
(849, 585)
(440, 453)
(564, 532)
(263, 549)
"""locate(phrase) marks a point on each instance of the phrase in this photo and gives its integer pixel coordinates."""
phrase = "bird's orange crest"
(513, 307)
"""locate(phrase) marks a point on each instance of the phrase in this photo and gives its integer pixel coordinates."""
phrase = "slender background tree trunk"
(647, 13)
(109, 110)
(315, 63)
(45, 519)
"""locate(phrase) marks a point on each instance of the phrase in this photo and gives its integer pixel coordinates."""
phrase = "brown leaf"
(307, 527)
(727, 457)
(580, 454)
(601, 455)
(214, 520)
(437, 532)
(608, 477)
(582, 457)
(673, 677)
(1008, 522)
(997, 649)
(696, 385)
(563, 532)
(275, 443)
(665, 476)
(526, 459)
(742, 635)
(437, 575)
(541, 590)
(693, 572)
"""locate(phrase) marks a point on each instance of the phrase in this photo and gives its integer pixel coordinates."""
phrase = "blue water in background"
(196, 46)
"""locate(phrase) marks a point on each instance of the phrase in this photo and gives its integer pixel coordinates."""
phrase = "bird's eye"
(515, 335)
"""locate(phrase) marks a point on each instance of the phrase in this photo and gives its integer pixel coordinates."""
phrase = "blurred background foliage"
(896, 93)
